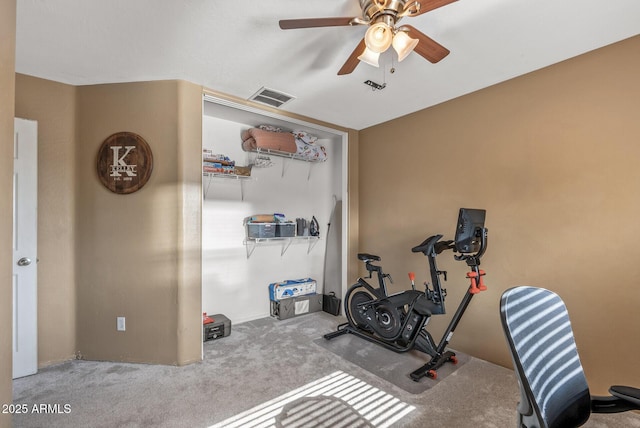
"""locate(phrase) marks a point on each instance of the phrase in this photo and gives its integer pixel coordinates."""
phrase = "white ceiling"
(236, 47)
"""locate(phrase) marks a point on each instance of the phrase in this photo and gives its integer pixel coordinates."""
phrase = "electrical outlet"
(120, 324)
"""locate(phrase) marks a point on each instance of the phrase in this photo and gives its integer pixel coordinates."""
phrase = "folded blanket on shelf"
(299, 143)
(254, 138)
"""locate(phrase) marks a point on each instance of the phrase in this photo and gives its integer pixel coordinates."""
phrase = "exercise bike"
(397, 322)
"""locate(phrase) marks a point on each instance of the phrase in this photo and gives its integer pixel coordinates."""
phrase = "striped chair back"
(553, 388)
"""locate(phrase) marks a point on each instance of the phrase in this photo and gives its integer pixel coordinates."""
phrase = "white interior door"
(25, 227)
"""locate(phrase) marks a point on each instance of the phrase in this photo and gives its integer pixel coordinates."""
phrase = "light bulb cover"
(378, 37)
(370, 57)
(403, 44)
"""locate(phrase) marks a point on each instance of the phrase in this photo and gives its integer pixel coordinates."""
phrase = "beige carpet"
(254, 368)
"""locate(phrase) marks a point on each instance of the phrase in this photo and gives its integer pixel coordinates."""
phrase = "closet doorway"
(236, 272)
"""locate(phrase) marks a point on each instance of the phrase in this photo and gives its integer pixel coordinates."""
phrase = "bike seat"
(366, 257)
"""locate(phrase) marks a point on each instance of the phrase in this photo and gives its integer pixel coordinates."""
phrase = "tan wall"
(553, 157)
(130, 247)
(7, 93)
(52, 104)
(189, 218)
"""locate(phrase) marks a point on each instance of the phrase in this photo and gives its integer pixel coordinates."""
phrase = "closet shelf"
(226, 175)
(289, 157)
(219, 175)
(252, 243)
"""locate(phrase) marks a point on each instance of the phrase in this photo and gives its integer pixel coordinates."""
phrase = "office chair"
(553, 389)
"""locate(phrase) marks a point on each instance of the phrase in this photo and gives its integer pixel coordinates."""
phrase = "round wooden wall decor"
(124, 162)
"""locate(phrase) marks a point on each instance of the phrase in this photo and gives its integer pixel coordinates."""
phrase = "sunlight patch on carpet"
(337, 400)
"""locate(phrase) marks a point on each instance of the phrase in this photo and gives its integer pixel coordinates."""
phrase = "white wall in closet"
(232, 283)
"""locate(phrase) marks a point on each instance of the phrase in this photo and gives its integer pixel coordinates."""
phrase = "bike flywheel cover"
(356, 317)
(388, 322)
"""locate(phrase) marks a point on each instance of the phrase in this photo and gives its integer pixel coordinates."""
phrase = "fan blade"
(427, 5)
(289, 24)
(352, 61)
(427, 48)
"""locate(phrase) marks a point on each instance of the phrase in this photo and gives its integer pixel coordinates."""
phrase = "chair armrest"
(622, 399)
(627, 393)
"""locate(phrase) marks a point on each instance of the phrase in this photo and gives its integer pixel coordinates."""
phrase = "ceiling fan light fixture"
(378, 37)
(403, 44)
(381, 18)
(370, 57)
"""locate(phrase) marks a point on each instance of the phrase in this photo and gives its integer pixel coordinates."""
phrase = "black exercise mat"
(386, 364)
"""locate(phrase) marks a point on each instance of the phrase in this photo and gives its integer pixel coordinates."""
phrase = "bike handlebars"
(431, 244)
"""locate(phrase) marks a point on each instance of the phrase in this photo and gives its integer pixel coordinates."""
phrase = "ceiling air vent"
(271, 97)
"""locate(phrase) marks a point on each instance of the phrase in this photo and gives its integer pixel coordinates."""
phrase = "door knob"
(25, 261)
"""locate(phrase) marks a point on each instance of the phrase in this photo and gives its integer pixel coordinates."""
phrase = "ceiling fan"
(382, 17)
